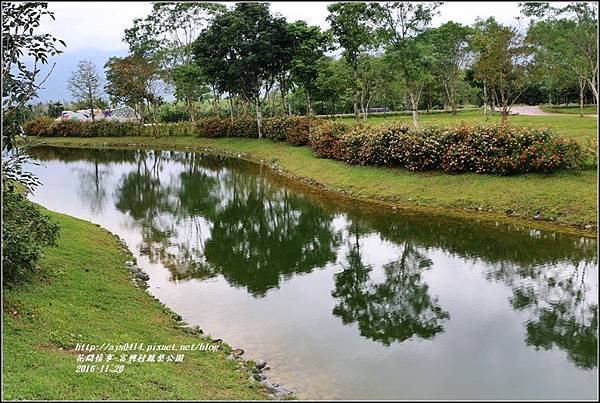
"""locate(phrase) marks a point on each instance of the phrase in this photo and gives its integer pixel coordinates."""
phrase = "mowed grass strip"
(86, 296)
(569, 196)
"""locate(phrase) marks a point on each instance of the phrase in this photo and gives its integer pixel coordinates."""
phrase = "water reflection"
(206, 217)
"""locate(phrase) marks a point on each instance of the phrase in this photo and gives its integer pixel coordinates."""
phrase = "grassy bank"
(86, 296)
(564, 199)
(570, 127)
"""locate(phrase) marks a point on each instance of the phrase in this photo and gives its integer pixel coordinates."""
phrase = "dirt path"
(527, 110)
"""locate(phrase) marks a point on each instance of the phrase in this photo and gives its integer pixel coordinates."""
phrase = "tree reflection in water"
(238, 225)
(394, 310)
(208, 216)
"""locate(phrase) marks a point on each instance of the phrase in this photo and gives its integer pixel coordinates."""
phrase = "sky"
(94, 30)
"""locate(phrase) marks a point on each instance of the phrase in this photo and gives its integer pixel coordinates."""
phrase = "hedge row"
(48, 127)
(293, 129)
(496, 148)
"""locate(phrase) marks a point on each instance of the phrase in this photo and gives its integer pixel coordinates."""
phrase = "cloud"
(93, 25)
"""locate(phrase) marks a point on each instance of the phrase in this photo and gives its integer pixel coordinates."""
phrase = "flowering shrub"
(276, 128)
(497, 149)
(213, 126)
(418, 150)
(508, 150)
(325, 139)
(48, 127)
(367, 146)
(244, 126)
(293, 129)
(38, 127)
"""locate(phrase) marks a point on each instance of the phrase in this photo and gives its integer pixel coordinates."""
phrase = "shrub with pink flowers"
(486, 149)
(492, 149)
(324, 140)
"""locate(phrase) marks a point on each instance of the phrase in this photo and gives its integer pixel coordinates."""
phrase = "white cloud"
(93, 25)
(101, 25)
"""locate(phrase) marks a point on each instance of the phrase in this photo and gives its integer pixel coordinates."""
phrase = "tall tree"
(309, 45)
(244, 51)
(135, 81)
(565, 38)
(333, 83)
(501, 63)
(353, 29)
(400, 27)
(450, 54)
(189, 86)
(85, 84)
(372, 76)
(166, 35)
(20, 82)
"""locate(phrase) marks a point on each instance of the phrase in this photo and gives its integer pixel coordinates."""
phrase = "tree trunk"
(154, 124)
(308, 104)
(91, 103)
(415, 108)
(594, 88)
(215, 102)
(504, 112)
(190, 108)
(258, 117)
(453, 98)
(283, 106)
(581, 90)
(485, 101)
(230, 108)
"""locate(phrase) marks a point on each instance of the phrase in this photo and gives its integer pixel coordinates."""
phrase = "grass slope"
(87, 296)
(568, 195)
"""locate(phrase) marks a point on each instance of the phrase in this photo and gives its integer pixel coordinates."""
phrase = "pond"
(344, 301)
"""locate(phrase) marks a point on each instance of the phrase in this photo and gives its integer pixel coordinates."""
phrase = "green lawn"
(87, 296)
(572, 127)
(574, 110)
(566, 198)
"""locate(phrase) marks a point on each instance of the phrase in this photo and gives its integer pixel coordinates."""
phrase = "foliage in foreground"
(487, 149)
(25, 233)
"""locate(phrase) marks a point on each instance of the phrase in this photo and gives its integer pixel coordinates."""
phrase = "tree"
(353, 29)
(568, 35)
(85, 84)
(333, 83)
(501, 63)
(26, 230)
(166, 35)
(20, 83)
(450, 55)
(244, 51)
(372, 76)
(189, 86)
(55, 109)
(400, 25)
(309, 46)
(135, 81)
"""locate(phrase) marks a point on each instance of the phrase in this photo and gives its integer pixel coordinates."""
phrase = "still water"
(344, 301)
